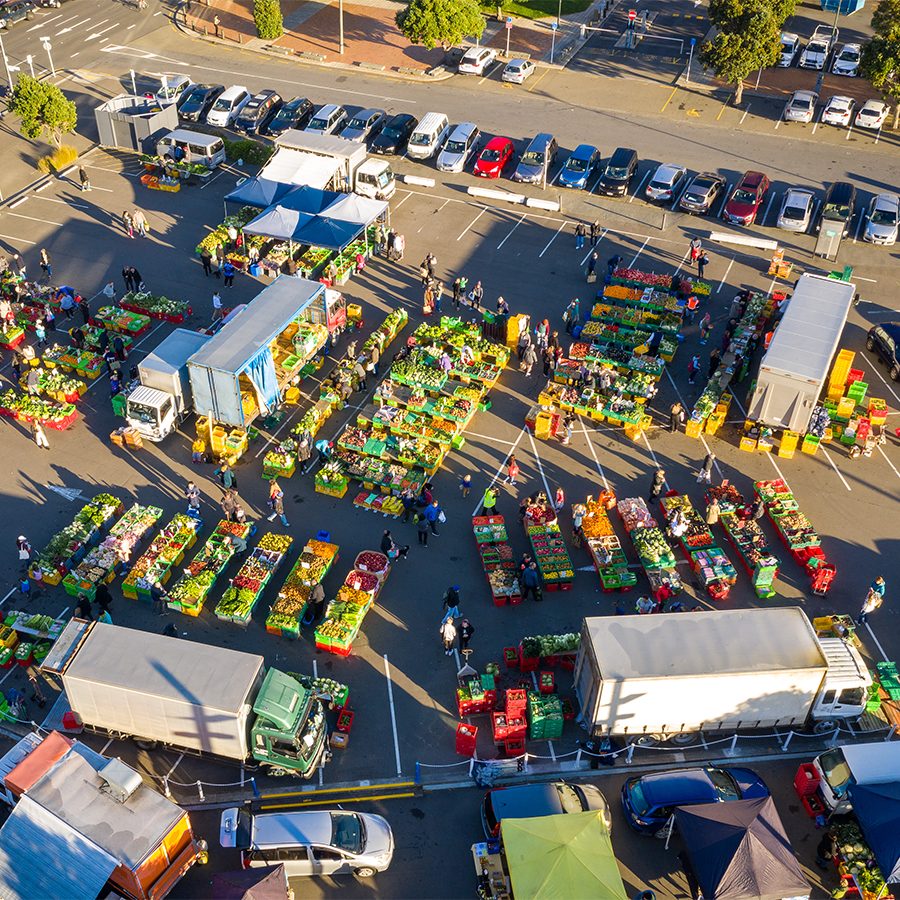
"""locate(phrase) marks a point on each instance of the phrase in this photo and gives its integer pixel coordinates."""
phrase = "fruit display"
(414, 372)
(362, 582)
(246, 587)
(219, 235)
(386, 331)
(17, 622)
(308, 339)
(696, 534)
(164, 552)
(374, 562)
(857, 861)
(157, 307)
(60, 387)
(545, 716)
(604, 546)
(653, 548)
(477, 694)
(190, 591)
(114, 319)
(727, 495)
(93, 518)
(497, 559)
(631, 317)
(27, 407)
(550, 553)
(101, 562)
(85, 362)
(794, 527)
(280, 461)
(645, 298)
(288, 610)
(490, 529)
(634, 514)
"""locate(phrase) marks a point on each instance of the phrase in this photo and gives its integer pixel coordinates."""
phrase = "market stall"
(26, 638)
(651, 545)
(27, 408)
(289, 608)
(87, 363)
(604, 546)
(549, 552)
(121, 321)
(868, 853)
(245, 589)
(165, 552)
(156, 306)
(497, 559)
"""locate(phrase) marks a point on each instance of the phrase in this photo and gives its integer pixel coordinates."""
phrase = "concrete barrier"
(726, 237)
(306, 54)
(538, 203)
(489, 194)
(420, 180)
(408, 70)
(274, 48)
(372, 67)
(437, 71)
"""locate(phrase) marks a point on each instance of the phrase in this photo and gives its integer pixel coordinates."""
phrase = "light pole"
(6, 64)
(553, 27)
(30, 60)
(45, 43)
(820, 80)
(690, 60)
(341, 17)
(558, 13)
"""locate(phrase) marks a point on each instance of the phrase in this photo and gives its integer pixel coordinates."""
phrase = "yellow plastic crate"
(748, 443)
(823, 624)
(693, 428)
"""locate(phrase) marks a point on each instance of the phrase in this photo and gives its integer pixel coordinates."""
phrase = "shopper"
(559, 499)
(390, 548)
(46, 266)
(530, 581)
(512, 470)
(476, 295)
(37, 432)
(102, 597)
(217, 307)
(580, 234)
(229, 505)
(465, 485)
(432, 515)
(228, 271)
(705, 328)
(705, 473)
(160, 599)
(450, 604)
(317, 601)
(422, 530)
(659, 483)
(696, 248)
(238, 543)
(595, 233)
(488, 501)
(879, 586)
(23, 547)
(702, 263)
(136, 280)
(693, 368)
(128, 223)
(528, 360)
(304, 454)
(714, 359)
(84, 179)
(572, 314)
(206, 259)
(226, 477)
(192, 493)
(870, 604)
(644, 606)
(448, 636)
(612, 264)
(759, 509)
(826, 851)
(276, 502)
(676, 416)
(140, 222)
(713, 511)
(466, 630)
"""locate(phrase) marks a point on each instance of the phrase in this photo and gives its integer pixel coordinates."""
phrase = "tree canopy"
(268, 20)
(42, 109)
(444, 22)
(880, 61)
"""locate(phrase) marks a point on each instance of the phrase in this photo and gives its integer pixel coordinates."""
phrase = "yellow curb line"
(339, 790)
(669, 99)
(331, 802)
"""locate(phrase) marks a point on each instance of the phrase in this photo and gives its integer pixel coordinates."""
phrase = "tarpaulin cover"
(353, 208)
(565, 856)
(259, 192)
(261, 372)
(266, 883)
(309, 199)
(279, 222)
(877, 807)
(739, 851)
(331, 234)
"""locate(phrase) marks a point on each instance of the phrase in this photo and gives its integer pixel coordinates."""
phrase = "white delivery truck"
(656, 678)
(349, 165)
(796, 365)
(841, 768)
(163, 397)
(190, 696)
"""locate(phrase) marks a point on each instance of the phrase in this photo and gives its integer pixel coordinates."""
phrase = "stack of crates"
(839, 373)
(857, 392)
(889, 679)
(545, 717)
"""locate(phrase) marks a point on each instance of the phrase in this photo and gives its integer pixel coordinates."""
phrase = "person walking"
(466, 630)
(390, 548)
(448, 636)
(136, 280)
(529, 359)
(595, 233)
(160, 599)
(530, 582)
(40, 332)
(676, 416)
(879, 586)
(432, 514)
(228, 271)
(690, 309)
(659, 483)
(593, 259)
(84, 179)
(714, 359)
(702, 263)
(696, 248)
(46, 265)
(192, 493)
(229, 506)
(126, 277)
(450, 603)
(870, 604)
(304, 454)
(422, 530)
(488, 502)
(705, 473)
(612, 264)
(705, 328)
(23, 549)
(523, 344)
(226, 477)
(140, 222)
(476, 295)
(37, 432)
(512, 470)
(465, 485)
(128, 223)
(758, 509)
(206, 260)
(276, 501)
(580, 233)
(713, 512)
(572, 315)
(693, 369)
(217, 306)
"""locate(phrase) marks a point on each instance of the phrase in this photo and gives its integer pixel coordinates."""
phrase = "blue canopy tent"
(279, 222)
(258, 192)
(877, 808)
(331, 234)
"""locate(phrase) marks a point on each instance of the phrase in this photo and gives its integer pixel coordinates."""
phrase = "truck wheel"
(645, 740)
(364, 872)
(824, 726)
(144, 744)
(870, 343)
(277, 772)
(895, 372)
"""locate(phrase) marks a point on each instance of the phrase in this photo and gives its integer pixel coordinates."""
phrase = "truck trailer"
(83, 824)
(656, 678)
(193, 697)
(794, 368)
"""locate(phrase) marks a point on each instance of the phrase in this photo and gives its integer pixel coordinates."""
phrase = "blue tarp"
(309, 199)
(261, 372)
(877, 807)
(259, 192)
(331, 234)
(280, 223)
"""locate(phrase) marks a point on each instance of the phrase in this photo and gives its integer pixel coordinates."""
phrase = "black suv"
(258, 111)
(616, 177)
(198, 100)
(294, 114)
(838, 206)
(16, 12)
(884, 340)
(395, 134)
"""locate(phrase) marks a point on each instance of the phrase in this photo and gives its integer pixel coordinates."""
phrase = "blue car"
(650, 800)
(579, 167)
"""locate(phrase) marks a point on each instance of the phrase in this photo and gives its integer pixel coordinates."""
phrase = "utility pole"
(821, 79)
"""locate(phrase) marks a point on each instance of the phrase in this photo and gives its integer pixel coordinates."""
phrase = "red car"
(498, 152)
(746, 199)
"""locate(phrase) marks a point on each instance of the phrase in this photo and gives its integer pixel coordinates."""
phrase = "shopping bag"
(591, 277)
(442, 518)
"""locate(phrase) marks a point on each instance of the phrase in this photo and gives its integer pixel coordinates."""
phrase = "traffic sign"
(693, 41)
(554, 25)
(632, 15)
(509, 24)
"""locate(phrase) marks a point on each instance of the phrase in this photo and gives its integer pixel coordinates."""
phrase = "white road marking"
(724, 200)
(631, 198)
(45, 22)
(487, 437)
(540, 466)
(594, 186)
(106, 746)
(636, 255)
(595, 246)
(408, 195)
(387, 675)
(881, 451)
(884, 655)
(778, 123)
(874, 367)
(725, 276)
(466, 229)
(849, 131)
(71, 27)
(512, 230)
(175, 766)
(765, 216)
(878, 136)
(71, 204)
(502, 466)
(97, 34)
(681, 194)
(490, 72)
(590, 444)
(744, 116)
(32, 219)
(833, 466)
(687, 253)
(547, 246)
(17, 240)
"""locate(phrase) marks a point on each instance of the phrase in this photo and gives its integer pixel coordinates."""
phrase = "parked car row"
(838, 110)
(817, 51)
(476, 60)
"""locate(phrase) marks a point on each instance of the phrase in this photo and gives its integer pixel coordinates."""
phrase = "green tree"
(42, 108)
(880, 61)
(444, 22)
(748, 38)
(267, 16)
(782, 10)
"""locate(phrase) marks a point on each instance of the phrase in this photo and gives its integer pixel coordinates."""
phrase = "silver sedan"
(882, 221)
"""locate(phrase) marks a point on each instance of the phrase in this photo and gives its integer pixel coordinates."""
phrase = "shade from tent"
(279, 222)
(563, 856)
(353, 208)
(259, 192)
(739, 851)
(265, 883)
(877, 807)
(332, 234)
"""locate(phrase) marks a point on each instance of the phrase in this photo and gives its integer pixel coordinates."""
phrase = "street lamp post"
(558, 13)
(6, 64)
(820, 80)
(45, 42)
(553, 27)
(341, 17)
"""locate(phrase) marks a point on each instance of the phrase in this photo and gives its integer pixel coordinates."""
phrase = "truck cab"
(845, 687)
(374, 179)
(151, 412)
(840, 768)
(289, 732)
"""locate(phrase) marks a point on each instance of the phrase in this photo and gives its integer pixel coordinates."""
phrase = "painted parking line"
(765, 215)
(465, 231)
(406, 197)
(746, 112)
(547, 246)
(874, 368)
(70, 203)
(669, 99)
(502, 467)
(640, 188)
(881, 451)
(687, 253)
(490, 72)
(539, 464)
(677, 199)
(18, 240)
(878, 136)
(595, 246)
(590, 444)
(32, 219)
(724, 200)
(833, 466)
(45, 22)
(725, 276)
(724, 106)
(593, 187)
(512, 230)
(636, 255)
(390, 691)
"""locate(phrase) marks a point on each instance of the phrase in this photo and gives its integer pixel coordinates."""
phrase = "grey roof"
(129, 832)
(779, 638)
(175, 350)
(810, 330)
(200, 675)
(312, 142)
(269, 313)
(41, 857)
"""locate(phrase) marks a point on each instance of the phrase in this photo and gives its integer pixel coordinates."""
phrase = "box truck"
(83, 824)
(841, 768)
(193, 697)
(163, 397)
(796, 365)
(656, 678)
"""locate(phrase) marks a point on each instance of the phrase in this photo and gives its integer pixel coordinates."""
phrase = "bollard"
(733, 745)
(166, 790)
(200, 792)
(418, 778)
(662, 225)
(471, 766)
(578, 757)
(787, 740)
(629, 754)
(834, 736)
(256, 792)
(891, 732)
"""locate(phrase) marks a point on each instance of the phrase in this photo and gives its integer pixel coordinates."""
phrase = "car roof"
(289, 828)
(584, 151)
(622, 153)
(751, 179)
(518, 63)
(891, 328)
(463, 130)
(680, 786)
(328, 109)
(790, 35)
(799, 192)
(853, 46)
(804, 94)
(526, 801)
(886, 199)
(840, 98)
(874, 105)
(365, 113)
(709, 176)
(497, 141)
(539, 140)
(668, 169)
(401, 119)
(475, 52)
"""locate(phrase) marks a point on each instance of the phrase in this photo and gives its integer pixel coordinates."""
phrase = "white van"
(324, 842)
(192, 146)
(375, 179)
(429, 136)
(226, 109)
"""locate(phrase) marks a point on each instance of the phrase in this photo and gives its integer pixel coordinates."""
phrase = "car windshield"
(222, 105)
(192, 101)
(836, 211)
(884, 217)
(786, 47)
(490, 155)
(420, 138)
(794, 212)
(816, 48)
(347, 832)
(319, 123)
(357, 123)
(839, 106)
(742, 196)
(569, 798)
(617, 172)
(576, 164)
(637, 799)
(724, 784)
(533, 158)
(514, 69)
(456, 147)
(849, 55)
(835, 769)
(393, 133)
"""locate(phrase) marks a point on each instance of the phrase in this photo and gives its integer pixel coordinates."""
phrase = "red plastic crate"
(345, 721)
(499, 727)
(511, 656)
(806, 781)
(547, 683)
(466, 739)
(516, 700)
(500, 599)
(515, 599)
(813, 805)
(516, 726)
(514, 747)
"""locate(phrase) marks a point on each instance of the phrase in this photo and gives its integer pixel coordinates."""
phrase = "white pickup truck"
(815, 53)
